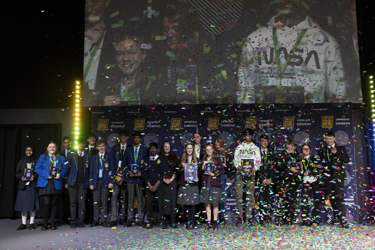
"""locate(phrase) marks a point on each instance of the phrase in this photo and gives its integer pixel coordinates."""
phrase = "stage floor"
(231, 237)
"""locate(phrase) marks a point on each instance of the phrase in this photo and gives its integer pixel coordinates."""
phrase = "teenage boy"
(247, 150)
(77, 183)
(90, 150)
(266, 180)
(91, 140)
(288, 179)
(153, 176)
(118, 153)
(333, 158)
(101, 181)
(67, 142)
(135, 157)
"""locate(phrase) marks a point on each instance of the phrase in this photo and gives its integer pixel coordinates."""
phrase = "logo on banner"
(288, 122)
(139, 123)
(176, 123)
(103, 124)
(213, 123)
(327, 121)
(251, 122)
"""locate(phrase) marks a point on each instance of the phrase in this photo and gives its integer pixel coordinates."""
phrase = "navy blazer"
(116, 153)
(153, 170)
(128, 160)
(72, 169)
(43, 167)
(62, 152)
(20, 172)
(108, 173)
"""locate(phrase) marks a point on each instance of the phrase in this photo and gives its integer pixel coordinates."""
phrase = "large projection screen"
(155, 52)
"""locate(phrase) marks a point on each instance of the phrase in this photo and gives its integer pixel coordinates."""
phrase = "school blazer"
(20, 172)
(108, 173)
(42, 169)
(116, 153)
(129, 160)
(72, 169)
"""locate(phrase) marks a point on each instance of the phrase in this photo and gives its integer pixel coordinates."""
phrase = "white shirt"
(123, 147)
(247, 151)
(154, 158)
(316, 64)
(137, 148)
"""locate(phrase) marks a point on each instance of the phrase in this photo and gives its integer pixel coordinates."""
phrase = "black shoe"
(22, 227)
(250, 222)
(44, 228)
(209, 225)
(345, 225)
(53, 227)
(149, 225)
(94, 224)
(215, 224)
(129, 223)
(73, 225)
(81, 225)
(143, 224)
(122, 222)
(32, 226)
(105, 224)
(239, 222)
(113, 224)
(164, 225)
(174, 225)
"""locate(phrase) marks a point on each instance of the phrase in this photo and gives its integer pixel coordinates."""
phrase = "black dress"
(27, 195)
(170, 190)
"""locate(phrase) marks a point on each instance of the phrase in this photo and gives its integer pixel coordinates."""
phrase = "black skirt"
(170, 198)
(27, 198)
(210, 194)
(49, 189)
(188, 195)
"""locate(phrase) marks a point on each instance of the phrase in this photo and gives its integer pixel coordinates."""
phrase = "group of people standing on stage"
(104, 180)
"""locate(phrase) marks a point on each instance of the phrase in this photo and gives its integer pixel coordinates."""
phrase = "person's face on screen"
(167, 148)
(170, 30)
(129, 56)
(52, 148)
(29, 152)
(95, 10)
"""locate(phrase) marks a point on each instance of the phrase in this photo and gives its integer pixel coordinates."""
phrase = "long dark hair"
(172, 156)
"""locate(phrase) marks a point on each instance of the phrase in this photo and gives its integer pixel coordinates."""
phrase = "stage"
(229, 237)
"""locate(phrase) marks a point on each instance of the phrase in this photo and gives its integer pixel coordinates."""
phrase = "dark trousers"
(158, 195)
(123, 205)
(135, 189)
(287, 195)
(89, 206)
(224, 192)
(63, 212)
(77, 198)
(49, 207)
(311, 190)
(335, 187)
(100, 192)
(265, 202)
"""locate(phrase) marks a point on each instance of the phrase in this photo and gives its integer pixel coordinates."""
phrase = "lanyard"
(293, 159)
(136, 156)
(277, 45)
(264, 155)
(50, 158)
(101, 161)
(306, 165)
(93, 55)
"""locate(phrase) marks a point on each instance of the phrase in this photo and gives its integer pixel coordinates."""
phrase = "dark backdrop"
(13, 140)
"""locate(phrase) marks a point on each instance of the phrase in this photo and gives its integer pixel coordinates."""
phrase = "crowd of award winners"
(151, 186)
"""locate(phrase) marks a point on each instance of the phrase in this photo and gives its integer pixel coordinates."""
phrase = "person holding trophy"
(27, 195)
(212, 169)
(188, 193)
(51, 171)
(247, 160)
(312, 171)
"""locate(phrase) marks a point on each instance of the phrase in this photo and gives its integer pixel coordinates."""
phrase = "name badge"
(100, 173)
(106, 165)
(119, 163)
